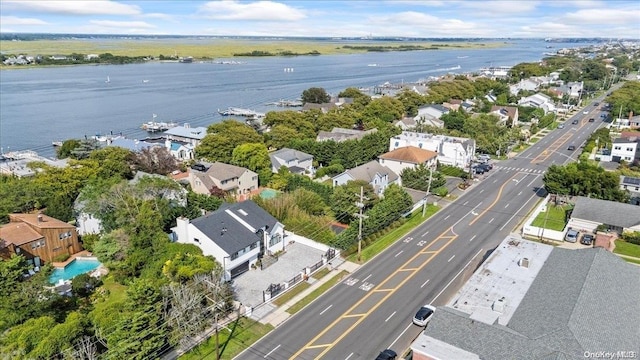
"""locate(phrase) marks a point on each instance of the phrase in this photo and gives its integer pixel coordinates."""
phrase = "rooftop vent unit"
(524, 262)
(499, 305)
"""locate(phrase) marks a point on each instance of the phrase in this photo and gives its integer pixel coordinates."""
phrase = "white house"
(232, 179)
(379, 176)
(408, 158)
(540, 101)
(181, 150)
(236, 235)
(506, 114)
(531, 84)
(187, 134)
(625, 149)
(429, 112)
(632, 185)
(588, 213)
(454, 151)
(296, 161)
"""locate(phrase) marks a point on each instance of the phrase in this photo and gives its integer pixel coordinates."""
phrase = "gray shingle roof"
(281, 157)
(581, 300)
(197, 133)
(606, 212)
(369, 170)
(236, 236)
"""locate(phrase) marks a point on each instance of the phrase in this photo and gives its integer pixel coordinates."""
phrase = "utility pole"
(424, 204)
(360, 205)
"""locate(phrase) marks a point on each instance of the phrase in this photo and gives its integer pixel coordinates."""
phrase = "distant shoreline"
(209, 49)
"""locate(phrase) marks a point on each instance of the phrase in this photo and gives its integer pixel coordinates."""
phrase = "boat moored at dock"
(233, 111)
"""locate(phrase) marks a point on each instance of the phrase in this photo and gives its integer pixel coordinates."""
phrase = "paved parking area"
(250, 285)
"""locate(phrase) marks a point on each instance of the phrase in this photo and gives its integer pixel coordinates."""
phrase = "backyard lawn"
(626, 248)
(552, 219)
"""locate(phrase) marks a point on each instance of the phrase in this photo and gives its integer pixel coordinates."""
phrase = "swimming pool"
(268, 194)
(76, 267)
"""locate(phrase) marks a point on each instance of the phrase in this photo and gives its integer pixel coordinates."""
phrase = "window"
(617, 147)
(196, 240)
(254, 245)
(275, 239)
(397, 143)
(629, 149)
(233, 256)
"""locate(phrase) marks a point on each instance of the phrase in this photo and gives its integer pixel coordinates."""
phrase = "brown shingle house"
(39, 238)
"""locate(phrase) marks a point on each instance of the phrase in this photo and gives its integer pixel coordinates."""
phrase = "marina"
(286, 103)
(233, 111)
(153, 126)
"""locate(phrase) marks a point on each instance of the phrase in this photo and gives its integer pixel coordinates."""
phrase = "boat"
(233, 111)
(187, 60)
(463, 57)
(287, 103)
(145, 81)
(108, 80)
(153, 126)
(56, 143)
(288, 69)
(372, 65)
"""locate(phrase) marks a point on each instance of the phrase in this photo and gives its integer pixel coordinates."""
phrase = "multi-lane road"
(371, 309)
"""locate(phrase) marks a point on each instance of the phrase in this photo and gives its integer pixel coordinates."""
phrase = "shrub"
(631, 237)
(441, 191)
(61, 258)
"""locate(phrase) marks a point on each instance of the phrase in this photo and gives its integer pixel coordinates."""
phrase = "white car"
(586, 112)
(423, 315)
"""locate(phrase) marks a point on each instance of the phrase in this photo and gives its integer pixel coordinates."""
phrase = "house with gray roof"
(187, 134)
(376, 174)
(341, 134)
(296, 161)
(132, 145)
(431, 112)
(236, 235)
(588, 213)
(235, 180)
(534, 301)
(632, 186)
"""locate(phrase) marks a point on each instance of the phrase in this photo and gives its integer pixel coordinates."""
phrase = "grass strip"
(626, 248)
(552, 219)
(289, 294)
(316, 293)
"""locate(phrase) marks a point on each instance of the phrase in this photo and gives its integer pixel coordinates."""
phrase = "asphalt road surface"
(372, 309)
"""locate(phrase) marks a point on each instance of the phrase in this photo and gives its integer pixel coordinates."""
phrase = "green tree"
(418, 178)
(280, 135)
(67, 147)
(344, 199)
(385, 109)
(303, 123)
(253, 156)
(454, 120)
(223, 137)
(184, 266)
(360, 100)
(315, 95)
(411, 101)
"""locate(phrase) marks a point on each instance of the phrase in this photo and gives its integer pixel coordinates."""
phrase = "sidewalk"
(268, 313)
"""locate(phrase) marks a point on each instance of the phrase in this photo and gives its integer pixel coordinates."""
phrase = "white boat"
(108, 80)
(233, 111)
(145, 81)
(153, 126)
(372, 65)
(463, 57)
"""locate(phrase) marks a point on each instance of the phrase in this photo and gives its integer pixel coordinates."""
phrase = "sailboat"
(108, 80)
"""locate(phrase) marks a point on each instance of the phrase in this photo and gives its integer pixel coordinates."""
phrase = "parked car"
(571, 236)
(561, 126)
(423, 315)
(571, 147)
(586, 112)
(478, 170)
(485, 167)
(587, 239)
(484, 157)
(592, 119)
(387, 354)
(575, 121)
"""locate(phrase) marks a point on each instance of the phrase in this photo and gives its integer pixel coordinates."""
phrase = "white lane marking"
(473, 237)
(390, 316)
(506, 206)
(328, 307)
(365, 279)
(494, 181)
(425, 283)
(425, 234)
(490, 221)
(399, 336)
(520, 193)
(350, 355)
(534, 179)
(480, 192)
(447, 217)
(465, 203)
(515, 213)
(269, 353)
(458, 274)
(451, 258)
(399, 253)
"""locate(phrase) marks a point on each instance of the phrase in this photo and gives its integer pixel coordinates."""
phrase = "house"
(187, 134)
(131, 145)
(451, 150)
(181, 150)
(16, 163)
(324, 107)
(296, 161)
(342, 134)
(529, 300)
(236, 235)
(374, 173)
(434, 111)
(572, 89)
(632, 185)
(408, 123)
(530, 84)
(452, 104)
(589, 213)
(540, 101)
(234, 180)
(408, 157)
(508, 115)
(38, 237)
(625, 149)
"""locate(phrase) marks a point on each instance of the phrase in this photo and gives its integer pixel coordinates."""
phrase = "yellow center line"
(364, 298)
(495, 201)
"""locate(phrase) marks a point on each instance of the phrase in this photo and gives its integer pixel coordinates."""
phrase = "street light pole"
(424, 204)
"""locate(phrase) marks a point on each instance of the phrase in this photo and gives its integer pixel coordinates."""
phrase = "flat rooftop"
(495, 290)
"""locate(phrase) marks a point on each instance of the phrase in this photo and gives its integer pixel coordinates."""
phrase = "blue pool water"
(268, 194)
(73, 269)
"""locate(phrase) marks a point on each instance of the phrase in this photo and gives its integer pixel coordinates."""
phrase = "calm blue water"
(38, 106)
(73, 269)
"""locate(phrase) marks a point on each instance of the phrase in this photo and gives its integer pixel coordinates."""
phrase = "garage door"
(240, 269)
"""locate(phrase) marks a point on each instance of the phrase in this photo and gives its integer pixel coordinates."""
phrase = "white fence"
(538, 232)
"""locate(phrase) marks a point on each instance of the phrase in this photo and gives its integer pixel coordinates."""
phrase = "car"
(423, 315)
(484, 157)
(561, 126)
(571, 236)
(586, 112)
(478, 170)
(587, 239)
(571, 147)
(485, 167)
(387, 354)
(575, 121)
(592, 119)
(596, 103)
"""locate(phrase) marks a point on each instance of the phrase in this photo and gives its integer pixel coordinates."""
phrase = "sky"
(393, 18)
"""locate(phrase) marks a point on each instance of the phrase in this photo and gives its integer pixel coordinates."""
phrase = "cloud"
(13, 20)
(499, 8)
(260, 10)
(122, 24)
(603, 16)
(95, 7)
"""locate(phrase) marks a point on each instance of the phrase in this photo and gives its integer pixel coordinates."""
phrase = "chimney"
(40, 219)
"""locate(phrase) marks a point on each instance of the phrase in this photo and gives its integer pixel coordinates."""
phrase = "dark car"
(574, 122)
(423, 315)
(592, 119)
(199, 167)
(587, 239)
(387, 354)
(571, 147)
(485, 167)
(479, 170)
(596, 103)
